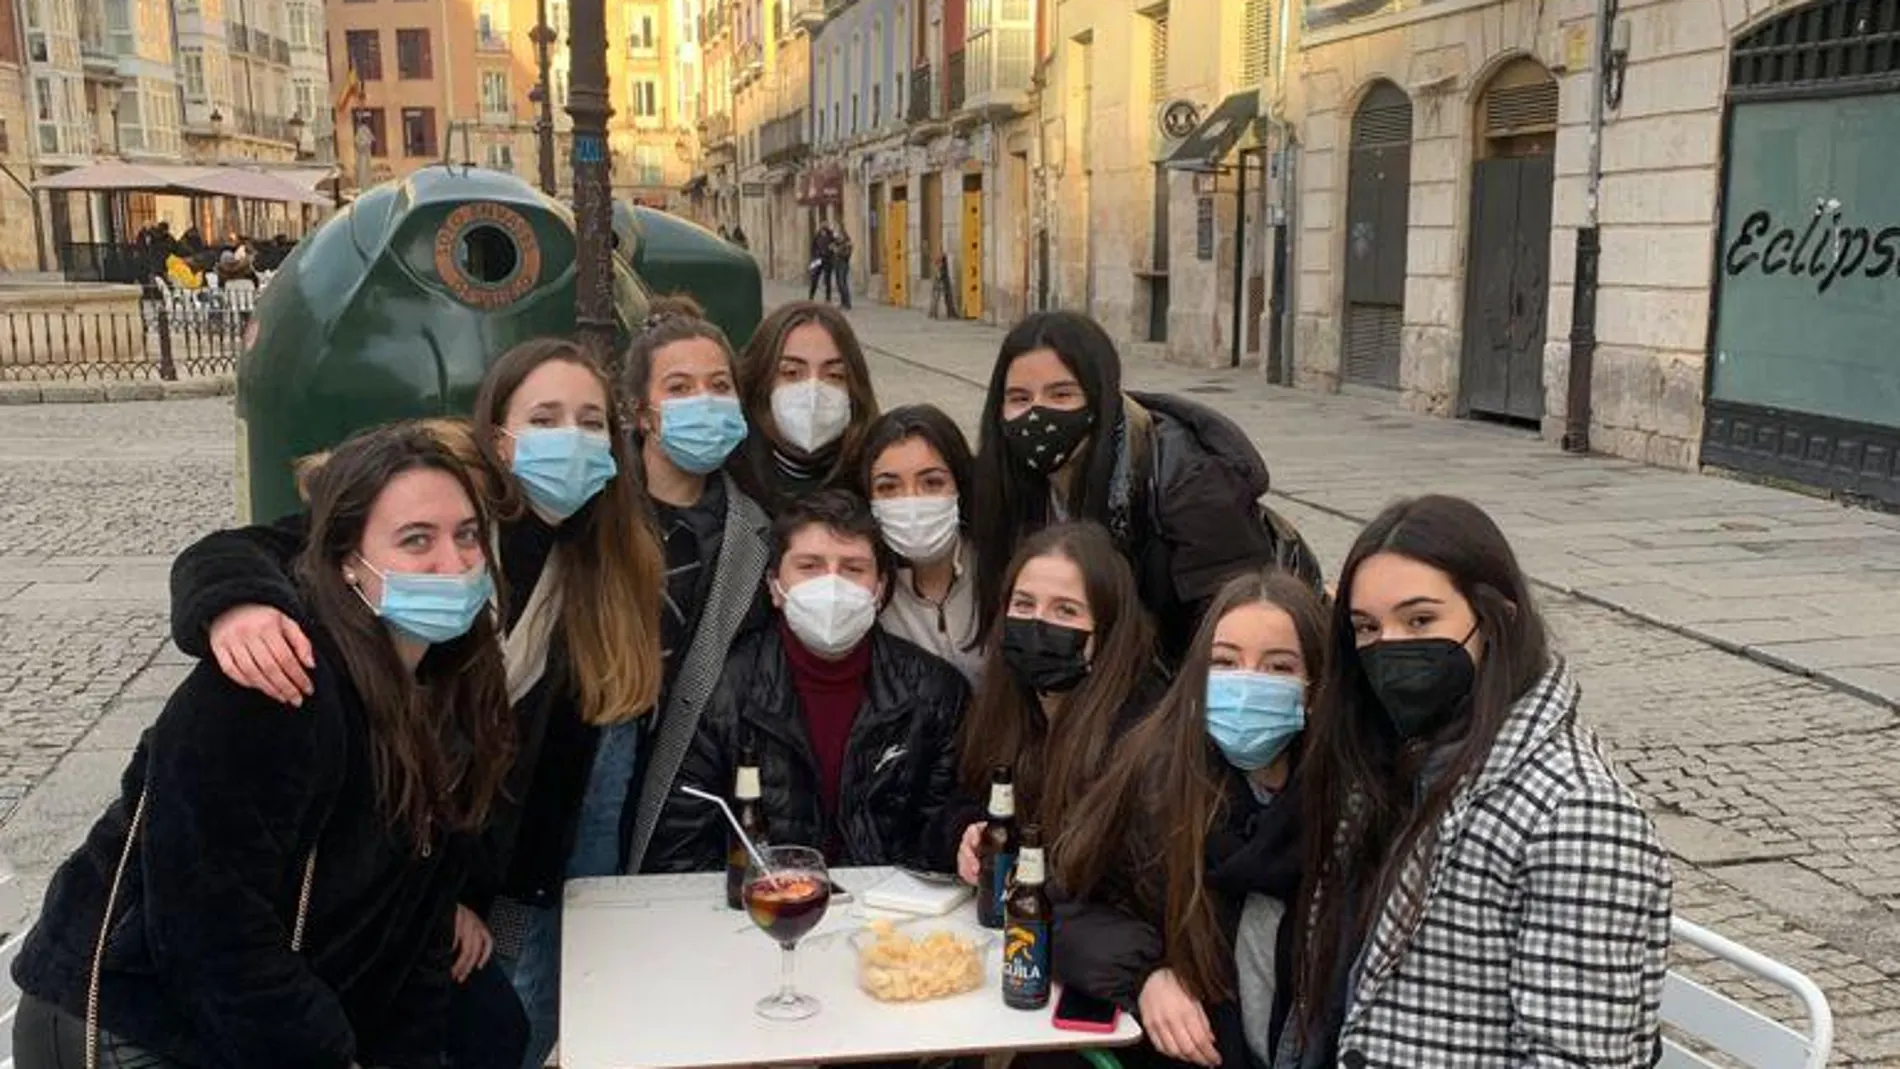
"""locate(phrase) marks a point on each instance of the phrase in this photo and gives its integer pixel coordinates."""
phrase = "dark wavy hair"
(1012, 501)
(1361, 822)
(1056, 758)
(1148, 819)
(441, 740)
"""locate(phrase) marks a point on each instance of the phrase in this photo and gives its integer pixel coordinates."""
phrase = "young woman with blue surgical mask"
(581, 574)
(276, 886)
(1179, 870)
(679, 380)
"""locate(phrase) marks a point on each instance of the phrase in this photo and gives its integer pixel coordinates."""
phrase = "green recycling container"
(394, 308)
(675, 255)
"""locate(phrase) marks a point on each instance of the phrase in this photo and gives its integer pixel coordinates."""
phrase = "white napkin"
(901, 892)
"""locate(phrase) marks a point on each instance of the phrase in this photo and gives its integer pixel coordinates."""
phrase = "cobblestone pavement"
(1775, 791)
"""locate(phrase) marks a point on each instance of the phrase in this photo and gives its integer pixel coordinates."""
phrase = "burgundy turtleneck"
(829, 695)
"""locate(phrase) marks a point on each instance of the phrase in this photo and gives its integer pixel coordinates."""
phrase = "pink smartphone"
(1077, 1011)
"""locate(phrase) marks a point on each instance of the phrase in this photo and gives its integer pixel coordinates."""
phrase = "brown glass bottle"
(1027, 928)
(751, 815)
(996, 850)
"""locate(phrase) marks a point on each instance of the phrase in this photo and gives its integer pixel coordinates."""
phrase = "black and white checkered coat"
(1543, 934)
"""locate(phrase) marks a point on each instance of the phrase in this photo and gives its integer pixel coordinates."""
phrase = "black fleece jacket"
(198, 966)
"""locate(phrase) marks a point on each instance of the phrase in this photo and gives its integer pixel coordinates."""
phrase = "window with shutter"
(1256, 41)
(1158, 56)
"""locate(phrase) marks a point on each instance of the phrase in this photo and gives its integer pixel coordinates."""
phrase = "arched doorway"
(1507, 273)
(1378, 187)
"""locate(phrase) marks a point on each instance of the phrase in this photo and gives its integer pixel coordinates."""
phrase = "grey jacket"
(743, 552)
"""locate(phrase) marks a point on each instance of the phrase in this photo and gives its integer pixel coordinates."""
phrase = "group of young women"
(1288, 830)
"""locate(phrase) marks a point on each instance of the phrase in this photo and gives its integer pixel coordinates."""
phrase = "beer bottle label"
(1030, 867)
(1002, 800)
(1026, 975)
(748, 784)
(1002, 872)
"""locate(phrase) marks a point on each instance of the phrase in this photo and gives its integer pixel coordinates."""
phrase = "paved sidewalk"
(1795, 582)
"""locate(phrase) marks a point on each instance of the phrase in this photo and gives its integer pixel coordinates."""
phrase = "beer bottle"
(751, 816)
(1027, 928)
(996, 850)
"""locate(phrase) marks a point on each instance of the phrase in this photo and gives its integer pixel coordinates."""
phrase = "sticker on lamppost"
(589, 149)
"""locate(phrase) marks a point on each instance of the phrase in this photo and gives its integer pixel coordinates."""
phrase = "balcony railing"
(920, 99)
(280, 50)
(257, 124)
(953, 82)
(492, 41)
(237, 37)
(783, 140)
(715, 130)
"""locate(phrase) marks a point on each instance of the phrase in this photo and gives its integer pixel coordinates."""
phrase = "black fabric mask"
(1048, 658)
(1421, 683)
(1042, 439)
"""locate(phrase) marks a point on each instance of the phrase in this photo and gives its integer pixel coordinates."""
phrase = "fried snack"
(895, 967)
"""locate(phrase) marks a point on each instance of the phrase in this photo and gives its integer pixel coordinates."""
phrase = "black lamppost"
(587, 103)
(542, 97)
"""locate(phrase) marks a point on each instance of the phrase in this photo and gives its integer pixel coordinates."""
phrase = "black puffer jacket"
(1190, 517)
(899, 766)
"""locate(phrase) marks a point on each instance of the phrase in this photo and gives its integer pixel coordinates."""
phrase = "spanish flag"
(352, 91)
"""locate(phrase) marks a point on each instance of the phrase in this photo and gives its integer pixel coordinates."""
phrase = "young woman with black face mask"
(1176, 483)
(1468, 844)
(808, 399)
(1070, 668)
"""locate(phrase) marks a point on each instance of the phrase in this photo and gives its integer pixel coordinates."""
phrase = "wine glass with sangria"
(787, 902)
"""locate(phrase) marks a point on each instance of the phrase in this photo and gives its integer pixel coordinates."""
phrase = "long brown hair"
(758, 375)
(1168, 782)
(1055, 758)
(442, 740)
(1363, 822)
(612, 569)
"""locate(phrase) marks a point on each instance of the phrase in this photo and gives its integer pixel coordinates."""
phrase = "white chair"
(1714, 1020)
(13, 926)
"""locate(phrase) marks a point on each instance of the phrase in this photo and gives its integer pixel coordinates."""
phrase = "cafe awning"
(288, 185)
(1209, 144)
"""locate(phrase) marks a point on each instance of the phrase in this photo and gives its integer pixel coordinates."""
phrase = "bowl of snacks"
(896, 964)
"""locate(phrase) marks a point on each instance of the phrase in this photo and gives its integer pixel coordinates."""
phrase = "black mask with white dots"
(1043, 439)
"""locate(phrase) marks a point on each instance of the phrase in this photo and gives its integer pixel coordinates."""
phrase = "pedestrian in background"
(841, 267)
(1467, 843)
(819, 268)
(277, 886)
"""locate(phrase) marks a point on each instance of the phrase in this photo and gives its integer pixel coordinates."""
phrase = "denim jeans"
(536, 970)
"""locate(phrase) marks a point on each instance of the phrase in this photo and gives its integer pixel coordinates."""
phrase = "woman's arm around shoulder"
(233, 567)
(237, 793)
(1592, 945)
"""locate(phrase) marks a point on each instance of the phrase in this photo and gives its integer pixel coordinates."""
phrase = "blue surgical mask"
(431, 608)
(562, 468)
(698, 433)
(1252, 716)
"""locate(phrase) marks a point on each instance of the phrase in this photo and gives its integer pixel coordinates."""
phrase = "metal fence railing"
(173, 335)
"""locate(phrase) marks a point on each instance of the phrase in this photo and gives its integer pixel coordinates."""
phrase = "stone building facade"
(1444, 173)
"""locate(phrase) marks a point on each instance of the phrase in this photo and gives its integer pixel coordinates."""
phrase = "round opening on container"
(487, 254)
